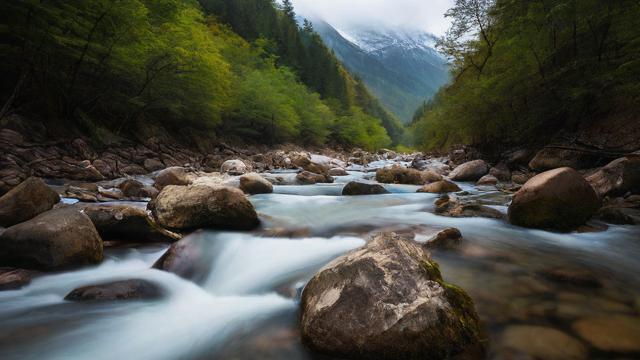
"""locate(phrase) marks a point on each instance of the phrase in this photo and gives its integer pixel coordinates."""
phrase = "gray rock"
(255, 184)
(618, 177)
(388, 301)
(233, 167)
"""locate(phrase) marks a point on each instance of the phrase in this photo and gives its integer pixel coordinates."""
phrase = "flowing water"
(246, 304)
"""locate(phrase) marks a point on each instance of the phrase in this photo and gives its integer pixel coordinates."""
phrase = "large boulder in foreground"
(127, 223)
(617, 178)
(255, 184)
(57, 239)
(399, 175)
(363, 188)
(201, 206)
(118, 290)
(388, 301)
(559, 199)
(30, 198)
(470, 171)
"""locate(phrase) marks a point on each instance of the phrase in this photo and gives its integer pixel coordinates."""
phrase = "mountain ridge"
(399, 66)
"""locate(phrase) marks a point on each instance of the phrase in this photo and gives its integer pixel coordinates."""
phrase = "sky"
(418, 14)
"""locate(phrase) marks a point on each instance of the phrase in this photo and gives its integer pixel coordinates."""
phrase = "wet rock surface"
(616, 333)
(618, 177)
(14, 279)
(542, 343)
(127, 223)
(118, 290)
(388, 301)
(363, 188)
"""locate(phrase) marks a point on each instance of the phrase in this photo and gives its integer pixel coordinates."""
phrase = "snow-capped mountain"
(371, 40)
(400, 66)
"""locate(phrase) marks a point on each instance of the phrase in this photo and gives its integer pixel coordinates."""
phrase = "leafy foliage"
(121, 63)
(524, 70)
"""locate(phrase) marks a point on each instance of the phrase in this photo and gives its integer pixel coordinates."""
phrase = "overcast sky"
(422, 14)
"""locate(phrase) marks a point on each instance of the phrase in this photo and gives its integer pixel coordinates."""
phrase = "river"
(245, 305)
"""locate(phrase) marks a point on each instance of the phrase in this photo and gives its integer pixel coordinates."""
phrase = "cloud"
(421, 14)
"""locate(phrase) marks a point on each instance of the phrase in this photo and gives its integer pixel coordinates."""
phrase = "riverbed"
(245, 305)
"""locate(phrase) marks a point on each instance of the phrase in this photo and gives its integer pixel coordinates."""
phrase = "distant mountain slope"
(401, 68)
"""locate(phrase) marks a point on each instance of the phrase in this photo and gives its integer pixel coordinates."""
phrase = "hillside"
(400, 66)
(528, 74)
(108, 68)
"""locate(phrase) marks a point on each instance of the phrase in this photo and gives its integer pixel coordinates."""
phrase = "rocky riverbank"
(146, 195)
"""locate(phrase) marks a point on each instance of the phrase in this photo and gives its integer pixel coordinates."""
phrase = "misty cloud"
(420, 14)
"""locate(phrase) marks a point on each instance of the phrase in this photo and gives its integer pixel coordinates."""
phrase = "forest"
(524, 70)
(240, 70)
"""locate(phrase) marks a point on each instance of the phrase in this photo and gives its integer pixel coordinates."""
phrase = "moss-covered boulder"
(28, 199)
(202, 206)
(387, 300)
(559, 199)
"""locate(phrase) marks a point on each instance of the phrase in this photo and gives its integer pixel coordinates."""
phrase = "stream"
(246, 305)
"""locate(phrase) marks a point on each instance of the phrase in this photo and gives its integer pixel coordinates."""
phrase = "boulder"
(470, 171)
(388, 301)
(174, 175)
(487, 180)
(453, 207)
(153, 164)
(430, 176)
(255, 184)
(338, 172)
(399, 175)
(127, 223)
(14, 279)
(363, 188)
(557, 157)
(309, 178)
(30, 198)
(559, 199)
(201, 206)
(445, 239)
(233, 167)
(57, 239)
(134, 189)
(118, 290)
(611, 333)
(501, 172)
(190, 258)
(519, 177)
(440, 187)
(306, 164)
(538, 342)
(617, 178)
